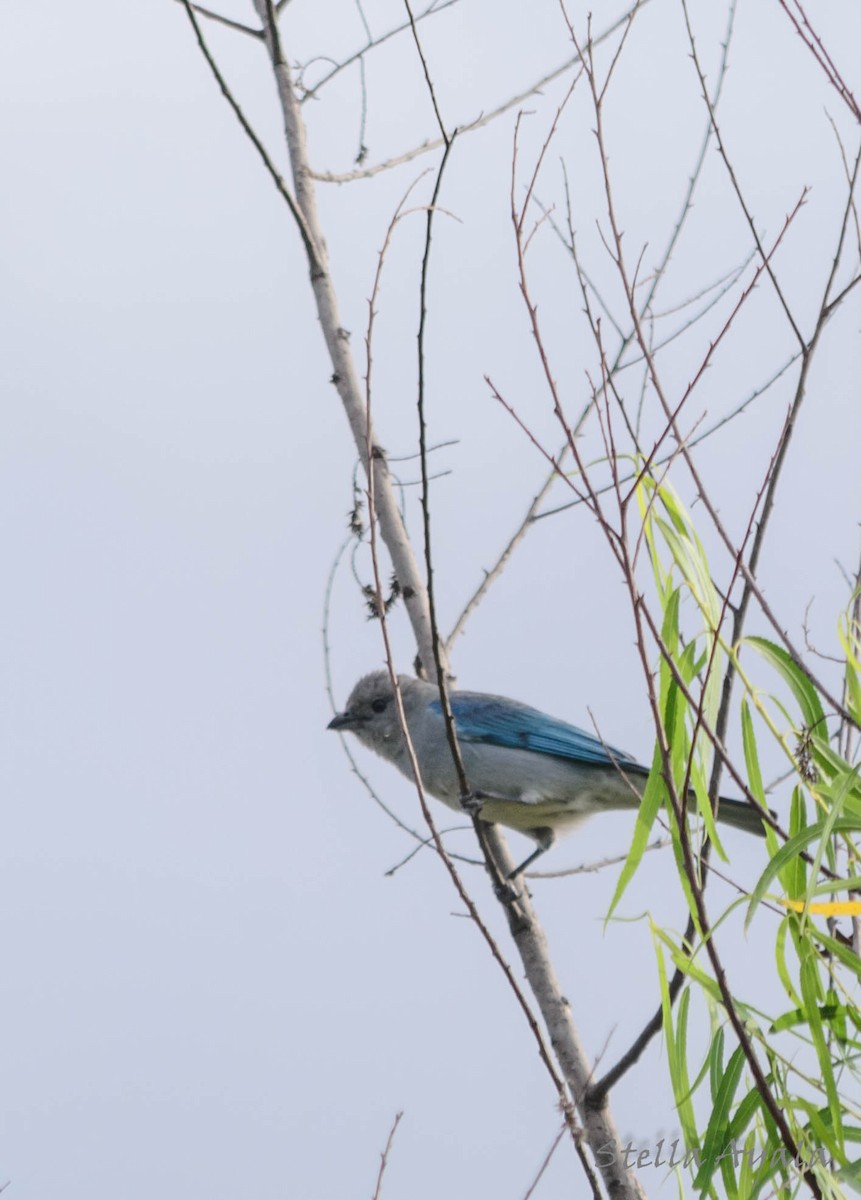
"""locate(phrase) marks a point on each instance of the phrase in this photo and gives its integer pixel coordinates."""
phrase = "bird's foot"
(506, 892)
(472, 803)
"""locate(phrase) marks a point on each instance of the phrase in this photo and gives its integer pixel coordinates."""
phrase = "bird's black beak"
(343, 720)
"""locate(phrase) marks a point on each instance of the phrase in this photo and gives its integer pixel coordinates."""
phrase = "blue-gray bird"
(531, 772)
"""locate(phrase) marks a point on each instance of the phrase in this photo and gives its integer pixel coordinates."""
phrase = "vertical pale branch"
(345, 376)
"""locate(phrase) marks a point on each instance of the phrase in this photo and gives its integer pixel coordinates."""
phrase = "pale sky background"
(210, 987)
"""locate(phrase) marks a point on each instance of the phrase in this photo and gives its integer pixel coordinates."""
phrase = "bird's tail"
(741, 815)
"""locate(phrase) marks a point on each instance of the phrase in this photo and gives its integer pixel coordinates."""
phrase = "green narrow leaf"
(832, 769)
(789, 1020)
(793, 875)
(802, 689)
(645, 497)
(655, 793)
(676, 1040)
(651, 804)
(811, 992)
(715, 1143)
(704, 807)
(687, 549)
(788, 852)
(746, 1186)
(751, 756)
(785, 926)
(853, 693)
(687, 662)
(836, 1013)
(754, 773)
(673, 506)
(838, 950)
(690, 968)
(690, 560)
(745, 1112)
(850, 640)
(715, 1062)
(851, 1174)
(819, 1136)
(849, 883)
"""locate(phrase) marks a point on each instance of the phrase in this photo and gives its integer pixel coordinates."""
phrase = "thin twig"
(445, 137)
(220, 20)
(813, 42)
(722, 150)
(477, 122)
(499, 566)
(283, 190)
(372, 44)
(384, 1157)
(545, 1163)
(599, 865)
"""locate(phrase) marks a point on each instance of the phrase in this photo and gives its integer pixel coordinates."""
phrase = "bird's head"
(371, 713)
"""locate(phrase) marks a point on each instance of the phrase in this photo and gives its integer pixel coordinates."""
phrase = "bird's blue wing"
(499, 722)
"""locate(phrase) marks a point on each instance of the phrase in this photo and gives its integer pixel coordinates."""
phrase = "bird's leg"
(545, 838)
(527, 862)
(505, 891)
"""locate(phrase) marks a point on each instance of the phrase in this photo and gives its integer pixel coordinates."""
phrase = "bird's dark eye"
(379, 705)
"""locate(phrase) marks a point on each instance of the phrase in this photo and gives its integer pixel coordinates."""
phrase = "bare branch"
(220, 20)
(554, 1145)
(813, 42)
(477, 122)
(445, 137)
(499, 566)
(734, 179)
(384, 1157)
(372, 44)
(283, 190)
(593, 868)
